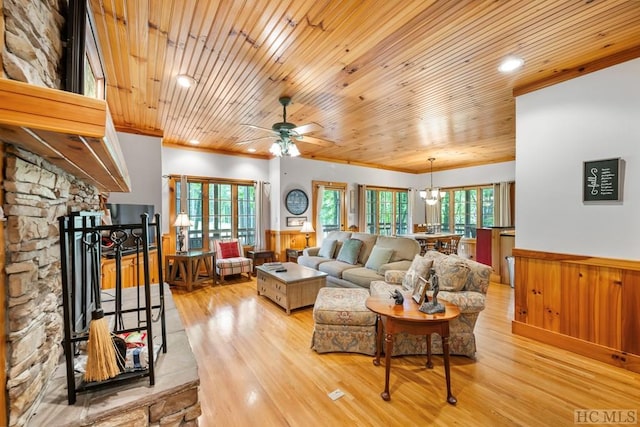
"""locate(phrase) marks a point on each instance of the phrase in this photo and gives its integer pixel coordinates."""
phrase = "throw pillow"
(378, 257)
(349, 251)
(452, 273)
(419, 268)
(327, 249)
(229, 250)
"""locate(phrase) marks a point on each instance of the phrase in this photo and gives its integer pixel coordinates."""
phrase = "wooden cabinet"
(131, 265)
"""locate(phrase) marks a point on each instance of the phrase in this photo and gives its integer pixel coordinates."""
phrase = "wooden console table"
(190, 268)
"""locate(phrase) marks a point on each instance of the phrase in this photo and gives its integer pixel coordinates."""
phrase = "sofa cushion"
(452, 273)
(312, 261)
(335, 268)
(339, 235)
(419, 268)
(396, 265)
(349, 251)
(328, 248)
(368, 242)
(378, 257)
(403, 247)
(361, 276)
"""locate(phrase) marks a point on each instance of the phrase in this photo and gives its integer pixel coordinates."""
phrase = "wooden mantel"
(72, 131)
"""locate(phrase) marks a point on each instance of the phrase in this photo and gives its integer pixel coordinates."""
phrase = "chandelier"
(284, 147)
(431, 195)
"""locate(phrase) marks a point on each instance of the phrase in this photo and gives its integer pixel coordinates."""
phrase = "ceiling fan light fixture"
(510, 63)
(185, 80)
(293, 150)
(275, 149)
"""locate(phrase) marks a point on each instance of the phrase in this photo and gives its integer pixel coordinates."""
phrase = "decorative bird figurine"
(397, 296)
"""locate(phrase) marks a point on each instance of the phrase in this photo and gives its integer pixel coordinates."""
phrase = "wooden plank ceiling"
(392, 83)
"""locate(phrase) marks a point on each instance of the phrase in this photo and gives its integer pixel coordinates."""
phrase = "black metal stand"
(81, 241)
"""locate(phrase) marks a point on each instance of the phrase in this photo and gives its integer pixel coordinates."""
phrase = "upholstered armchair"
(230, 259)
(464, 283)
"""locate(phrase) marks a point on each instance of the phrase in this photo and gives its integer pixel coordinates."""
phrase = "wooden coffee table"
(407, 318)
(294, 288)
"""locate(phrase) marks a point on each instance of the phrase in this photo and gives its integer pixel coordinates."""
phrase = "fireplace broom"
(101, 354)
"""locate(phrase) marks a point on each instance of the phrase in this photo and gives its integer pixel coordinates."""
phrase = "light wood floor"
(256, 368)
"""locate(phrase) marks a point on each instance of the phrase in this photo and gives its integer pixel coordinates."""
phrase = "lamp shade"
(182, 220)
(307, 227)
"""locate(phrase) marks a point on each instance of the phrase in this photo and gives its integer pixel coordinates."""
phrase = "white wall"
(197, 163)
(596, 116)
(143, 155)
(477, 175)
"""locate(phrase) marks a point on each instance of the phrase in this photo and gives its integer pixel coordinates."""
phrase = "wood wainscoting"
(281, 240)
(587, 305)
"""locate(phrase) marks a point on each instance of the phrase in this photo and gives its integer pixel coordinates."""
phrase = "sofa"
(354, 260)
(463, 282)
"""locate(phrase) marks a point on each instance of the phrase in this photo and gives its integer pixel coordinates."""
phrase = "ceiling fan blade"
(309, 127)
(249, 141)
(259, 128)
(313, 140)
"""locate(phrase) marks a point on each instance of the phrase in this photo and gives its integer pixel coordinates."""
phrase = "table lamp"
(181, 222)
(307, 228)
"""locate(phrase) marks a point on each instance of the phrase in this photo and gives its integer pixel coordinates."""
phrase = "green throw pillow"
(349, 251)
(328, 248)
(378, 257)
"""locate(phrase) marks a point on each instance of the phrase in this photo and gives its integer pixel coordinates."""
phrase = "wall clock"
(296, 202)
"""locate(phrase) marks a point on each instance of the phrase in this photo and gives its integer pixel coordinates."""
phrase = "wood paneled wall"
(587, 305)
(281, 240)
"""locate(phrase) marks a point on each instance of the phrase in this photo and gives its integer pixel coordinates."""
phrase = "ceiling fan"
(287, 134)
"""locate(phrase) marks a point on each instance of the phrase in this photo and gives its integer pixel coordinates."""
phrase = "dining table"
(429, 240)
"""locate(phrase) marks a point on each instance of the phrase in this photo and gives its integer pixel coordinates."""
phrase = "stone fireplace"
(36, 192)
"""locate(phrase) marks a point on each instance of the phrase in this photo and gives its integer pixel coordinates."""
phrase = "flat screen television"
(126, 214)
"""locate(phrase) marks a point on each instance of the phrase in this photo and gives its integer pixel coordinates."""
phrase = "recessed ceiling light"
(185, 80)
(251, 150)
(194, 142)
(510, 63)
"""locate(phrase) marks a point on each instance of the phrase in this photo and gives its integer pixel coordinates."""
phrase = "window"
(462, 209)
(218, 210)
(387, 211)
(332, 211)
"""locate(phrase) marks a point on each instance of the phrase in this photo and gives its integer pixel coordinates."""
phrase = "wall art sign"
(602, 180)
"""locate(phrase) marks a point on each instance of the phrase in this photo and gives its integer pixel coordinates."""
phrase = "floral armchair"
(464, 283)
